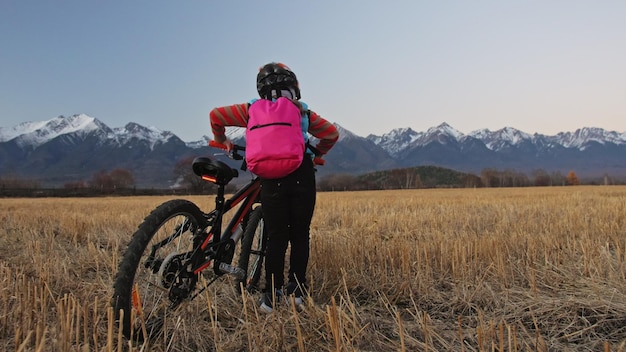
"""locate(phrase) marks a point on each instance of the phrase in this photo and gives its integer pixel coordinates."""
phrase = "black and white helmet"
(274, 78)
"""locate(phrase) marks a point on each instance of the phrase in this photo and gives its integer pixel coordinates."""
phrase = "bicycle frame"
(174, 247)
(247, 196)
(220, 244)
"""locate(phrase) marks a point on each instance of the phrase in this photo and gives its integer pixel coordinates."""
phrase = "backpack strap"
(310, 146)
(313, 149)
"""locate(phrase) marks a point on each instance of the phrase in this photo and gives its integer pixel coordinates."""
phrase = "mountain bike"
(179, 251)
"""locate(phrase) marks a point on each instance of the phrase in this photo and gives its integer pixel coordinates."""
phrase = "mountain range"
(73, 148)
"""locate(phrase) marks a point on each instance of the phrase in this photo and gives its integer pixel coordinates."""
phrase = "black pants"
(288, 205)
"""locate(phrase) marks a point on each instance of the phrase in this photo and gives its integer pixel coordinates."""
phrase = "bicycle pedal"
(232, 270)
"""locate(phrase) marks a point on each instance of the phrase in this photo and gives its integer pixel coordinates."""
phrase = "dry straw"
(421, 270)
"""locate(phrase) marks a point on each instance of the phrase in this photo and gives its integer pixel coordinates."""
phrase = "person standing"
(288, 202)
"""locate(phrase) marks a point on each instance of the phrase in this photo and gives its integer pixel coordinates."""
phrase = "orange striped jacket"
(237, 115)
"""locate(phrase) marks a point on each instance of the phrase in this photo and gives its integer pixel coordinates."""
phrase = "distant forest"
(439, 177)
(120, 182)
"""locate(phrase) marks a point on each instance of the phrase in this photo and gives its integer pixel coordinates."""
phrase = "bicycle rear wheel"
(153, 284)
(253, 245)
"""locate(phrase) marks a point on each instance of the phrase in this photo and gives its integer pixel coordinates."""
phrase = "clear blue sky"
(371, 66)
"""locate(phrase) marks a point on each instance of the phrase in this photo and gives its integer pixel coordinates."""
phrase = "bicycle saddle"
(213, 170)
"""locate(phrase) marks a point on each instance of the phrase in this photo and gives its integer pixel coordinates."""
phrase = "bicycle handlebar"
(218, 145)
(317, 160)
(215, 144)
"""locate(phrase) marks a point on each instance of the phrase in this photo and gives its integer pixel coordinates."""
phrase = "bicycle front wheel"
(253, 245)
(153, 282)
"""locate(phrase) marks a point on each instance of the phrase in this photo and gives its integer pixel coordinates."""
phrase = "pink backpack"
(274, 138)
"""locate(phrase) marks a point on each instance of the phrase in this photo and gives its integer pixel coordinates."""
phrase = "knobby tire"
(253, 245)
(139, 292)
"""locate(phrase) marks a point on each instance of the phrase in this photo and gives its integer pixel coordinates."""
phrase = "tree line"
(117, 181)
(439, 177)
(121, 181)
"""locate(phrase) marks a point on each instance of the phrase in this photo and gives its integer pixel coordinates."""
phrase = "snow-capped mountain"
(74, 148)
(589, 151)
(135, 132)
(503, 138)
(397, 140)
(402, 138)
(233, 133)
(33, 134)
(581, 137)
(578, 139)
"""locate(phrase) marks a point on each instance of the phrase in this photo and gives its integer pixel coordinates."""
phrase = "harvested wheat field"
(539, 269)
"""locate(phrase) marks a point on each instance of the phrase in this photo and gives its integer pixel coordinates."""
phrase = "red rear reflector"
(209, 178)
